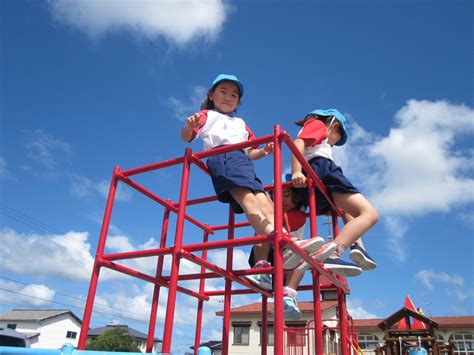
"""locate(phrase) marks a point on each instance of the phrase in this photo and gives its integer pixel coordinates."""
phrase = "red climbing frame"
(208, 270)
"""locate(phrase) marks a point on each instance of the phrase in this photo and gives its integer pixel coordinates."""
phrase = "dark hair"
(297, 197)
(208, 104)
(325, 119)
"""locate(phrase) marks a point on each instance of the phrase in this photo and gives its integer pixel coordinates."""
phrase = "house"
(245, 330)
(140, 338)
(45, 329)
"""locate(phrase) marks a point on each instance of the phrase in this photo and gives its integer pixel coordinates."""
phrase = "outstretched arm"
(192, 122)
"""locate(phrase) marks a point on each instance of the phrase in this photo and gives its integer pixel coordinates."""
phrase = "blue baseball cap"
(229, 77)
(339, 116)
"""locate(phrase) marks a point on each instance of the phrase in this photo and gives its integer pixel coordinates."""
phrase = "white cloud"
(183, 109)
(355, 308)
(32, 295)
(83, 187)
(178, 21)
(397, 229)
(429, 277)
(44, 149)
(40, 255)
(424, 170)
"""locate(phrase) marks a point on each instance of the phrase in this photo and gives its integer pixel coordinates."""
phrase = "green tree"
(113, 340)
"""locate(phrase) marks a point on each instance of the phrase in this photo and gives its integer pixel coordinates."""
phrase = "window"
(368, 341)
(11, 326)
(464, 343)
(71, 335)
(270, 333)
(439, 338)
(241, 333)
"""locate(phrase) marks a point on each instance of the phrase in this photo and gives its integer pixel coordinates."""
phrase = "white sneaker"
(322, 254)
(292, 260)
(261, 280)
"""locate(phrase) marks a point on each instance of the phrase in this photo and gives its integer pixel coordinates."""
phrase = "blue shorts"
(229, 170)
(333, 178)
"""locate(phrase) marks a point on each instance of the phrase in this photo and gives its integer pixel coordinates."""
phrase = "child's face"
(287, 201)
(334, 133)
(225, 97)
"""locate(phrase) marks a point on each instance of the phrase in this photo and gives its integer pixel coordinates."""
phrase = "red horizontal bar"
(154, 280)
(224, 273)
(200, 164)
(162, 202)
(325, 287)
(155, 166)
(220, 244)
(138, 254)
(233, 147)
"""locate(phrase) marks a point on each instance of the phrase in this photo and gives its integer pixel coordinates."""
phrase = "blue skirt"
(229, 170)
(333, 178)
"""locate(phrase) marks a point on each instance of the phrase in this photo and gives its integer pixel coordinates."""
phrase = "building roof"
(130, 331)
(443, 322)
(211, 344)
(25, 315)
(256, 308)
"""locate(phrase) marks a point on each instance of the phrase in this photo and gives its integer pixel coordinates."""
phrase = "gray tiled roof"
(34, 314)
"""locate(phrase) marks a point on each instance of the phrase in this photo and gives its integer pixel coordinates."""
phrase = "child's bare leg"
(346, 218)
(294, 279)
(363, 214)
(252, 208)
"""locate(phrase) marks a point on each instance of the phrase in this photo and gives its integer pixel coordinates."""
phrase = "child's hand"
(269, 147)
(298, 179)
(193, 121)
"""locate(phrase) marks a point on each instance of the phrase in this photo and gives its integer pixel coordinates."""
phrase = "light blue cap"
(339, 116)
(229, 77)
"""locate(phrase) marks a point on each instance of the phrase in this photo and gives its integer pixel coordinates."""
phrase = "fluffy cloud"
(83, 187)
(40, 255)
(177, 21)
(424, 170)
(357, 311)
(183, 109)
(25, 295)
(428, 277)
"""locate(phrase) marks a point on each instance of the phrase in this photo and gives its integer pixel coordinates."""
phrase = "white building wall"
(52, 331)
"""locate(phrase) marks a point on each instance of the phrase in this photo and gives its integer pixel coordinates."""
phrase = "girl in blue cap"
(233, 174)
(321, 130)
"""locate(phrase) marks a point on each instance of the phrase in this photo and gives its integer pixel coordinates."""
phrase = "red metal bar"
(318, 323)
(162, 202)
(224, 273)
(228, 286)
(200, 164)
(245, 292)
(168, 329)
(202, 284)
(156, 290)
(232, 147)
(96, 270)
(131, 272)
(264, 326)
(138, 254)
(156, 166)
(278, 258)
(341, 301)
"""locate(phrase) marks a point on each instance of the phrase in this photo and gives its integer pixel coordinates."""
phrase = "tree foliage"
(113, 340)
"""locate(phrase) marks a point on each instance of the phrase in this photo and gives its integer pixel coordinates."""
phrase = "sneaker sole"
(309, 247)
(347, 271)
(263, 285)
(292, 315)
(323, 255)
(360, 259)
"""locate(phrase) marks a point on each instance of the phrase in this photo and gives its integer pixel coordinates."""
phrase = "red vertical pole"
(341, 300)
(228, 288)
(173, 285)
(318, 325)
(264, 328)
(278, 260)
(156, 291)
(202, 284)
(98, 256)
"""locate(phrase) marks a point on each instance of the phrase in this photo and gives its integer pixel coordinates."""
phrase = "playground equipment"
(180, 250)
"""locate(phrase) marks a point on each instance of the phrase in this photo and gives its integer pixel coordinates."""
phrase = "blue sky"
(86, 86)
